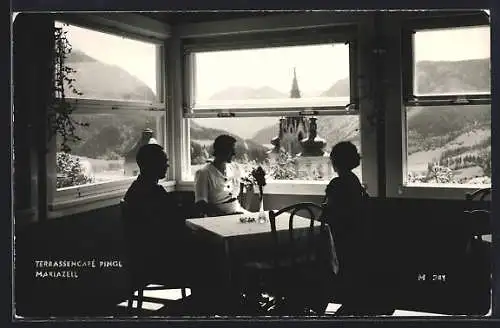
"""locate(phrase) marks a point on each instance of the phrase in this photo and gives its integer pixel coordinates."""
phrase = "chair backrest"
(479, 194)
(477, 220)
(136, 237)
(291, 244)
(477, 260)
(307, 261)
(128, 229)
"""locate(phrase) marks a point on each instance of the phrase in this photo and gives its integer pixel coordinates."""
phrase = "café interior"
(431, 240)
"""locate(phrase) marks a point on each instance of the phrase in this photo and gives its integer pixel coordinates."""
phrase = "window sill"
(64, 206)
(434, 191)
(284, 187)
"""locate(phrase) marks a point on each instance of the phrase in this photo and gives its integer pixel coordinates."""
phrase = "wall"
(86, 236)
(32, 93)
(411, 237)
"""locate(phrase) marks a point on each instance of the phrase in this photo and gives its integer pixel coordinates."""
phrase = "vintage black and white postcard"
(189, 164)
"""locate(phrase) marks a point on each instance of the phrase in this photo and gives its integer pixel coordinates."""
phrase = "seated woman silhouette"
(345, 199)
(217, 184)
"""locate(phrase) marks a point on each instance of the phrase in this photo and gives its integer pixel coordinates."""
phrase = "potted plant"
(61, 122)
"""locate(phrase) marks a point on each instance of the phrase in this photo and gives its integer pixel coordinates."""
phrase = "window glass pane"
(107, 148)
(452, 61)
(110, 67)
(449, 144)
(254, 147)
(279, 76)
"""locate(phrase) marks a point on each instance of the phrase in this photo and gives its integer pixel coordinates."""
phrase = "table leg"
(232, 292)
(228, 267)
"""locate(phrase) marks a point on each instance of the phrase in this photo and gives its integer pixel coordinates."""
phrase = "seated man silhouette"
(217, 184)
(156, 224)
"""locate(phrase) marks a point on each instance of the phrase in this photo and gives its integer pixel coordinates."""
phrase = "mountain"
(242, 93)
(78, 56)
(457, 137)
(437, 77)
(98, 80)
(338, 89)
(452, 76)
(108, 136)
(243, 127)
(198, 132)
(203, 137)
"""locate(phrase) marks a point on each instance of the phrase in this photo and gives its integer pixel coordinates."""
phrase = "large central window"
(269, 98)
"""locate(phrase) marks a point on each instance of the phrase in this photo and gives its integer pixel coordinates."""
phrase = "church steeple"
(295, 92)
(292, 129)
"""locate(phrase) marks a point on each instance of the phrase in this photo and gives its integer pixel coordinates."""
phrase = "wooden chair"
(477, 220)
(476, 263)
(293, 256)
(293, 265)
(140, 279)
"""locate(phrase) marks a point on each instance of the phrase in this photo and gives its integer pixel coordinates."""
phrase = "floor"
(159, 301)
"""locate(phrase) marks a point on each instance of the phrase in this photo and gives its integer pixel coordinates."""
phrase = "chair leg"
(130, 300)
(130, 303)
(140, 295)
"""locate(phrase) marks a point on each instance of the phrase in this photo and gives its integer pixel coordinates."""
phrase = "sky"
(317, 67)
(136, 57)
(452, 44)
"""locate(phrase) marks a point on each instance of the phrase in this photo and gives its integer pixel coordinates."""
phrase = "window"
(120, 102)
(254, 144)
(107, 148)
(259, 93)
(437, 51)
(448, 110)
(262, 78)
(110, 67)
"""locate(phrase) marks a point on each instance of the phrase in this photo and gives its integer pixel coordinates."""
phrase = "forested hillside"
(451, 136)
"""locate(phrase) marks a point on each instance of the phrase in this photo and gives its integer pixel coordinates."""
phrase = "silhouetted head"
(224, 148)
(152, 161)
(344, 156)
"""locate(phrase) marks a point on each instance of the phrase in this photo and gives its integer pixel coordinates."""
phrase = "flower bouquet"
(257, 177)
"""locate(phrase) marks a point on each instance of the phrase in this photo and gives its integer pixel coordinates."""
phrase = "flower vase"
(262, 218)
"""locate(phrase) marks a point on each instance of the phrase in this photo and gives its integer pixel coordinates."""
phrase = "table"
(229, 226)
(237, 237)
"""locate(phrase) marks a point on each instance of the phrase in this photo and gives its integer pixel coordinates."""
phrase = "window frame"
(396, 184)
(74, 199)
(341, 33)
(435, 23)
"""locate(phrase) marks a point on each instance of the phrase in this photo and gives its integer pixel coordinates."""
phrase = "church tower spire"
(295, 92)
